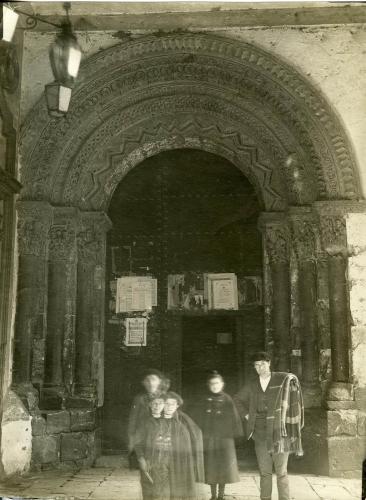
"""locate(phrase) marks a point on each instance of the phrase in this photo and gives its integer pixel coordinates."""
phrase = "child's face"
(216, 385)
(170, 407)
(151, 383)
(262, 367)
(157, 406)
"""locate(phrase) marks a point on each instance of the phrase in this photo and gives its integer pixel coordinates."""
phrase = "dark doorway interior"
(208, 343)
(181, 212)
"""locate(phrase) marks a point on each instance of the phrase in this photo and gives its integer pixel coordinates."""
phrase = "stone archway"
(132, 101)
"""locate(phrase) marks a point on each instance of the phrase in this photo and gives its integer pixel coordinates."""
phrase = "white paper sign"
(222, 291)
(136, 329)
(136, 293)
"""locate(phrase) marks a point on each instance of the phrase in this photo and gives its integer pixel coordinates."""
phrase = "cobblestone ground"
(116, 482)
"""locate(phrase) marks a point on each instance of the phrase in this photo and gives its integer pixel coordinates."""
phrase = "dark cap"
(260, 356)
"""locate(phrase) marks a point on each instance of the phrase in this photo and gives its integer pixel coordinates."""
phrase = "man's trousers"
(266, 461)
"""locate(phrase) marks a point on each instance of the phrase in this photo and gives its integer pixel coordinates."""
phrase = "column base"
(341, 391)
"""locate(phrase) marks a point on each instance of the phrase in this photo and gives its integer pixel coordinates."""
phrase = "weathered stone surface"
(82, 420)
(358, 345)
(74, 446)
(345, 454)
(57, 421)
(342, 422)
(341, 391)
(341, 405)
(38, 425)
(361, 424)
(360, 397)
(45, 449)
(16, 436)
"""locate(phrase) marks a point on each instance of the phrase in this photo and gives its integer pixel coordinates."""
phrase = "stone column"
(90, 307)
(34, 219)
(61, 307)
(276, 243)
(304, 242)
(333, 234)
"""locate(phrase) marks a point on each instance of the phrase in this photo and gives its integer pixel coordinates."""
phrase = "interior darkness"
(180, 212)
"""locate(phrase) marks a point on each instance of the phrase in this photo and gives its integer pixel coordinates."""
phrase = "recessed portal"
(177, 216)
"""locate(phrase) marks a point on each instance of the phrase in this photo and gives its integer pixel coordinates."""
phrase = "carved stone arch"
(303, 133)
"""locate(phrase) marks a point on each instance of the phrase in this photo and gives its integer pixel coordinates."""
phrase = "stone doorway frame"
(132, 101)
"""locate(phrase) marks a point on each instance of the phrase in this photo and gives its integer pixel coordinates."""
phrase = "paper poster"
(136, 329)
(136, 293)
(222, 291)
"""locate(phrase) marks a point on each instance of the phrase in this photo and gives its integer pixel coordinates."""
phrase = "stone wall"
(64, 438)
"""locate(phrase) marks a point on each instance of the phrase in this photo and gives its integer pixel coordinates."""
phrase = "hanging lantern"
(65, 56)
(58, 98)
(8, 23)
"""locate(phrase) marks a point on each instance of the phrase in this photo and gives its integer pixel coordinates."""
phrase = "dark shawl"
(217, 416)
(186, 466)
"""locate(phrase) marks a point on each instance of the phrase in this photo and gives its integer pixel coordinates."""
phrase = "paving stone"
(123, 483)
(332, 491)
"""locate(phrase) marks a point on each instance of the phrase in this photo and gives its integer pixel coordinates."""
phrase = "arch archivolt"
(205, 118)
(226, 87)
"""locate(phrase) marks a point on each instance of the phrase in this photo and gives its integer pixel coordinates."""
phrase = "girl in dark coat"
(219, 420)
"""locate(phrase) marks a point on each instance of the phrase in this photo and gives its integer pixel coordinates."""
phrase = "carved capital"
(332, 222)
(333, 234)
(276, 237)
(62, 234)
(34, 220)
(91, 236)
(304, 235)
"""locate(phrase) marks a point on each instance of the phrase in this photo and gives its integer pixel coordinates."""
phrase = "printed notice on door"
(222, 291)
(136, 293)
(136, 329)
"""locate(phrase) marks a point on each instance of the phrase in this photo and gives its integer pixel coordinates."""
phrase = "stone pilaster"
(59, 361)
(34, 219)
(334, 243)
(276, 243)
(304, 231)
(89, 339)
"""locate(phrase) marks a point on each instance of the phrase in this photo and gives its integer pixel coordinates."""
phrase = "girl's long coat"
(220, 423)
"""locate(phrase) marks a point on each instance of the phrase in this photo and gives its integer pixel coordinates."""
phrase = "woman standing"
(220, 423)
(155, 383)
